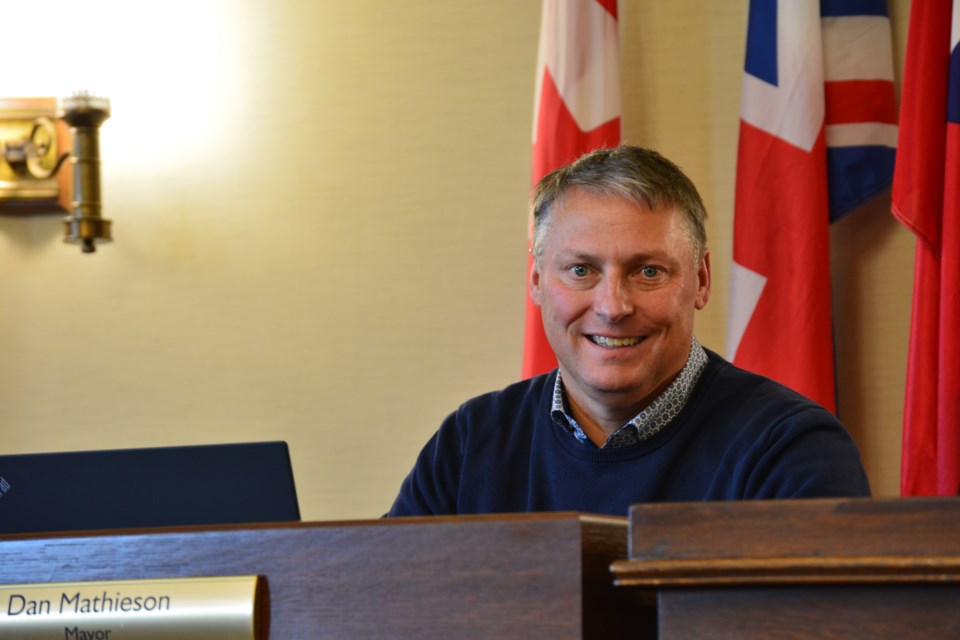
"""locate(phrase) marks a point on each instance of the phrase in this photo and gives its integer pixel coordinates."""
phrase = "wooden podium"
(818, 569)
(516, 576)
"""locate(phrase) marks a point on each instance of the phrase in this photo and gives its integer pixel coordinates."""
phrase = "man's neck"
(600, 420)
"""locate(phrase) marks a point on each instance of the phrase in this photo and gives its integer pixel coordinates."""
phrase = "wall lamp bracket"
(50, 162)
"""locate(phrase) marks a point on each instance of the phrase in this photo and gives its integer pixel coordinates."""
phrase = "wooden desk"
(854, 568)
(517, 576)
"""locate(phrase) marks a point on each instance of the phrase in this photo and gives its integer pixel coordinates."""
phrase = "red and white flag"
(926, 198)
(817, 139)
(576, 110)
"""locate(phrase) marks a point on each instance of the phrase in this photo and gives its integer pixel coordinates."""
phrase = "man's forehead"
(580, 200)
(601, 209)
(620, 225)
(626, 247)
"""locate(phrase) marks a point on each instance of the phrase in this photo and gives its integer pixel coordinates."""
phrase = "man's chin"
(615, 386)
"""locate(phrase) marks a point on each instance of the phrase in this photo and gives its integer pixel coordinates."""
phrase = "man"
(638, 410)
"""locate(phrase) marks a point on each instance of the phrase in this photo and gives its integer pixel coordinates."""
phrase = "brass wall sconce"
(35, 176)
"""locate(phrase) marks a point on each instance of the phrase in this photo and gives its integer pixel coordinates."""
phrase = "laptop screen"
(129, 488)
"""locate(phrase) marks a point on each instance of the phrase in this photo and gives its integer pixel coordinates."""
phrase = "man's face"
(618, 288)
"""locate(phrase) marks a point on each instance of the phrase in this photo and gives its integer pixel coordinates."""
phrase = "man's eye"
(579, 270)
(650, 272)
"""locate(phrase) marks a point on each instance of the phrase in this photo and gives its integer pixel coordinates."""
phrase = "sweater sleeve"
(432, 486)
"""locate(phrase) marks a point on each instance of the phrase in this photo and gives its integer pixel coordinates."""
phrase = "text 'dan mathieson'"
(221, 608)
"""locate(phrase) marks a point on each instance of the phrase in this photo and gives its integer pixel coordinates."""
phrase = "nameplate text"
(222, 608)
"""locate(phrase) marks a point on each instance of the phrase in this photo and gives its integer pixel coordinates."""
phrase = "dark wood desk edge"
(586, 519)
(824, 527)
(786, 571)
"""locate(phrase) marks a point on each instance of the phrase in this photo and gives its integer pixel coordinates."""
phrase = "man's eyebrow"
(573, 254)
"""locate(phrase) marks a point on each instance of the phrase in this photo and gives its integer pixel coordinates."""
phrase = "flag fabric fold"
(926, 199)
(817, 139)
(576, 110)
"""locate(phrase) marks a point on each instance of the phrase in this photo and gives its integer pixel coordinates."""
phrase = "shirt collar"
(653, 418)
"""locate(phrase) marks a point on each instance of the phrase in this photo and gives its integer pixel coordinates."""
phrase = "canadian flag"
(926, 199)
(576, 110)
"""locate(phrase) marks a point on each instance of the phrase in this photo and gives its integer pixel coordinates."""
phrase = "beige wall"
(320, 211)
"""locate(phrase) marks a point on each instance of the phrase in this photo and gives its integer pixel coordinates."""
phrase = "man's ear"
(535, 283)
(703, 276)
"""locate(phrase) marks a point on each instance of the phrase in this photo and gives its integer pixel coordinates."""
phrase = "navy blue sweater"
(740, 436)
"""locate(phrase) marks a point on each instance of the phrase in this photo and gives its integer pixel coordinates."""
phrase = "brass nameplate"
(196, 608)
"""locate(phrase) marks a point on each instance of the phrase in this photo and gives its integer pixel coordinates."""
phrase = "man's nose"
(612, 300)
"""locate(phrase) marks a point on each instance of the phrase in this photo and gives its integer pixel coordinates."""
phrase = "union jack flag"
(817, 139)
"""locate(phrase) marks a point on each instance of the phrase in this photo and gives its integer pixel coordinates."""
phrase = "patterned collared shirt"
(649, 421)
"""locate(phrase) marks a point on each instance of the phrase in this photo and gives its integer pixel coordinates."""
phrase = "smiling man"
(637, 411)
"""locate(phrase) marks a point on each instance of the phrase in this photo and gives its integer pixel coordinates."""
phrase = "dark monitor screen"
(130, 488)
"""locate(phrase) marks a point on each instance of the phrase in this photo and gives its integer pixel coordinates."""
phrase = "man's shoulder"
(504, 418)
(531, 390)
(725, 382)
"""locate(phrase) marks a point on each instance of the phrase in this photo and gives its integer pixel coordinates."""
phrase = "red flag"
(817, 138)
(577, 109)
(926, 198)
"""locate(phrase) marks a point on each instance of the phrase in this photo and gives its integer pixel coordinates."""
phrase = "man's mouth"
(614, 343)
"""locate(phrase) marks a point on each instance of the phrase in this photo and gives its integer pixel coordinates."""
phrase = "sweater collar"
(650, 420)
